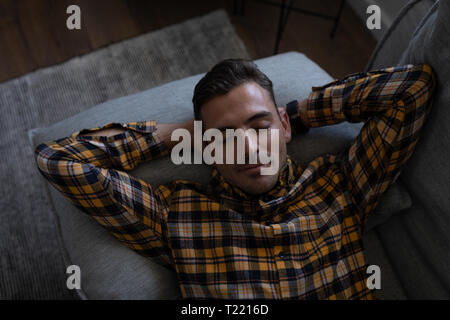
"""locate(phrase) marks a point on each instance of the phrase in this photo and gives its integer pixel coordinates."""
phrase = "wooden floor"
(33, 33)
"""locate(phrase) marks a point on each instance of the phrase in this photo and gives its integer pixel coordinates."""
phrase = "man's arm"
(88, 168)
(393, 103)
(163, 131)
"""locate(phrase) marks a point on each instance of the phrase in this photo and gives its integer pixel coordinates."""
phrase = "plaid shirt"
(302, 240)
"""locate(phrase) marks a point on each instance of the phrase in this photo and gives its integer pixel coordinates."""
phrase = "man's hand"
(164, 131)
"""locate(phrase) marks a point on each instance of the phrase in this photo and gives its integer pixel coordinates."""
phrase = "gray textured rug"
(31, 264)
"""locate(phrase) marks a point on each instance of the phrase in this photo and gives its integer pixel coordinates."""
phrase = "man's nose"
(251, 144)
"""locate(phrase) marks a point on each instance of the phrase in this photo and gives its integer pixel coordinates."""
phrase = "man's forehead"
(238, 105)
(248, 92)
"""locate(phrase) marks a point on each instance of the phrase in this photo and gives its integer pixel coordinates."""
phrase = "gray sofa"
(407, 235)
(417, 243)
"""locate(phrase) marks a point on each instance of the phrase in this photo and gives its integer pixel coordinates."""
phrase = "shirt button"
(282, 255)
(268, 222)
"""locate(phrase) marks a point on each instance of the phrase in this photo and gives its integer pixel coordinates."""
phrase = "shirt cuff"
(144, 136)
(293, 112)
(144, 127)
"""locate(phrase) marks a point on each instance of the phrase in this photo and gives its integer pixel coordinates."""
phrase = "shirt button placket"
(279, 255)
(281, 260)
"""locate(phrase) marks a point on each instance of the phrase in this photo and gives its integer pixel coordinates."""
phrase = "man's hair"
(225, 76)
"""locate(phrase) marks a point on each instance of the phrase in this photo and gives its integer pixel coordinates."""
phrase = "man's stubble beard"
(259, 184)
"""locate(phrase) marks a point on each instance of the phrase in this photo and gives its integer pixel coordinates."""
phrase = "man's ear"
(285, 122)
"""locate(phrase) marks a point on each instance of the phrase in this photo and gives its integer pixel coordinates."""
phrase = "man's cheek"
(270, 153)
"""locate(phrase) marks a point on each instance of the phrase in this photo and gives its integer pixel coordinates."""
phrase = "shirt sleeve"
(393, 103)
(90, 171)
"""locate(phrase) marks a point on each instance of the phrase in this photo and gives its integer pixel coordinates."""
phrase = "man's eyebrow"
(261, 114)
(256, 116)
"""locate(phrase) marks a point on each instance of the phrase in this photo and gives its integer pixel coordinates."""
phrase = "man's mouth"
(250, 168)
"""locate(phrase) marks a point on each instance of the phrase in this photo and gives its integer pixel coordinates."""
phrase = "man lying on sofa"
(295, 234)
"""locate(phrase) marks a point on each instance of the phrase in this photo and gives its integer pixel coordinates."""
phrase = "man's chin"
(258, 185)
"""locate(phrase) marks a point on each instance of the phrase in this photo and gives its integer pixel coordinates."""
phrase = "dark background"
(33, 33)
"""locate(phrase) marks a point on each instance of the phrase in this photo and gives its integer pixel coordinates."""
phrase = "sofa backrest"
(397, 37)
(418, 242)
(428, 172)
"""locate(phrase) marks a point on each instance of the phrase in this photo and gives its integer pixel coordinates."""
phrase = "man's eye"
(263, 127)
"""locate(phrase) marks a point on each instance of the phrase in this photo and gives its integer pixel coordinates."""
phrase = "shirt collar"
(287, 178)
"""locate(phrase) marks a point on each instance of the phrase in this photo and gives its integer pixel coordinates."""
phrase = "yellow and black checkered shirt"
(302, 240)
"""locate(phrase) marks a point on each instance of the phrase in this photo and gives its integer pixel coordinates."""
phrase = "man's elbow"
(419, 97)
(421, 89)
(427, 79)
(44, 156)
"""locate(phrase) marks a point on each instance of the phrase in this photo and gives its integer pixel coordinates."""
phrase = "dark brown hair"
(225, 76)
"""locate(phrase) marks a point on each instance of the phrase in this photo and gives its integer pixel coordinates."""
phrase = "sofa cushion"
(418, 242)
(109, 269)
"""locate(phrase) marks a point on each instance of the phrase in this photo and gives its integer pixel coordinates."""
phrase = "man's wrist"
(297, 117)
(302, 112)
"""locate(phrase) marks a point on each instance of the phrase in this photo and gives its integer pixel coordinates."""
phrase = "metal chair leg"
(242, 7)
(280, 26)
(336, 20)
(235, 6)
(239, 7)
(282, 21)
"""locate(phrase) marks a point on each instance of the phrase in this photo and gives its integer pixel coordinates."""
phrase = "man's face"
(244, 107)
